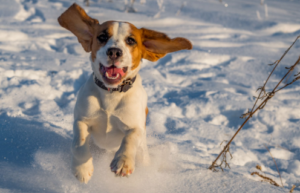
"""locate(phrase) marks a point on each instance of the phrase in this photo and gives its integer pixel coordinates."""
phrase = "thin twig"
(266, 178)
(293, 188)
(275, 164)
(224, 158)
(297, 77)
(261, 106)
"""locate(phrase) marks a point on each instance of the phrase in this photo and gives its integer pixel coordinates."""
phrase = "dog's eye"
(103, 38)
(130, 41)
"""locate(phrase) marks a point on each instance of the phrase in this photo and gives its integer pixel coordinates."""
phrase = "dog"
(111, 107)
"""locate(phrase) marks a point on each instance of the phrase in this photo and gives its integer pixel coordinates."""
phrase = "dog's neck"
(124, 87)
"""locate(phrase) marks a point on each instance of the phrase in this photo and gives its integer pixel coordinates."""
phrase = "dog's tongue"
(113, 71)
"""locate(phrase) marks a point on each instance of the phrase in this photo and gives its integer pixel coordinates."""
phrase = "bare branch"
(246, 114)
(224, 159)
(265, 97)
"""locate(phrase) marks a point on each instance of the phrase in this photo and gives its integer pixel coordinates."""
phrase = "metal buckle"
(119, 88)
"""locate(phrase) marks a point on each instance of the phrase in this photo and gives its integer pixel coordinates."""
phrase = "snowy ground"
(195, 97)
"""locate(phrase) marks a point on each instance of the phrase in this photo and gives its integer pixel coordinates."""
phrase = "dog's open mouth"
(112, 74)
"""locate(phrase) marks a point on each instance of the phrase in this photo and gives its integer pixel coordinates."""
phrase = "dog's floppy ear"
(156, 44)
(80, 24)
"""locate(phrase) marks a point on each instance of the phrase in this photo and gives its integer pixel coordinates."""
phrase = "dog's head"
(117, 47)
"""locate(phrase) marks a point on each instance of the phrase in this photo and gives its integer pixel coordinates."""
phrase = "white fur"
(114, 121)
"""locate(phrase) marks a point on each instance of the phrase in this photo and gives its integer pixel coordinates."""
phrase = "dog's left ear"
(80, 24)
(156, 44)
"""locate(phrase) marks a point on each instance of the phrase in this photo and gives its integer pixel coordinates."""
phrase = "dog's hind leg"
(144, 147)
(82, 163)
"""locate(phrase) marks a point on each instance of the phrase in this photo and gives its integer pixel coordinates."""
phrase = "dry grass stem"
(262, 89)
(264, 176)
(292, 189)
(265, 97)
(275, 164)
(265, 179)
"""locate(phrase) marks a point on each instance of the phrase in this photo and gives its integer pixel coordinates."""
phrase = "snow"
(195, 98)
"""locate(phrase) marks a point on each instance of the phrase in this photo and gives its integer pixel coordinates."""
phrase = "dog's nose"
(114, 53)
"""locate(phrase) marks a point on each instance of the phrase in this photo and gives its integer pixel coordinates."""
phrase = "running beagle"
(111, 107)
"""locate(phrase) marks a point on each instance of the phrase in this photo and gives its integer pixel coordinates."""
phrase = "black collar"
(124, 87)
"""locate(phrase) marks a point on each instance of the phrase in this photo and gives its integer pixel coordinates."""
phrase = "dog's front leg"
(124, 160)
(82, 163)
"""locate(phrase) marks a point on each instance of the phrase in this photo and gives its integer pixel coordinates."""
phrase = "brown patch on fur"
(106, 27)
(135, 50)
(136, 58)
(147, 111)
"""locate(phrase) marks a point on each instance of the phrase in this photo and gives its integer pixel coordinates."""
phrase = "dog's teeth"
(111, 77)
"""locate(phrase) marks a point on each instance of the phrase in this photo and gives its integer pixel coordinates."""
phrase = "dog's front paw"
(122, 165)
(83, 172)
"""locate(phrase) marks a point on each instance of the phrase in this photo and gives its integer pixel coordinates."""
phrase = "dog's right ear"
(80, 24)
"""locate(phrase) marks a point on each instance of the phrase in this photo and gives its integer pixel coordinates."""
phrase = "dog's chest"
(110, 115)
(107, 128)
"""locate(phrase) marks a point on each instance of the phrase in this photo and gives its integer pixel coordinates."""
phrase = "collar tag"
(127, 84)
(126, 87)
